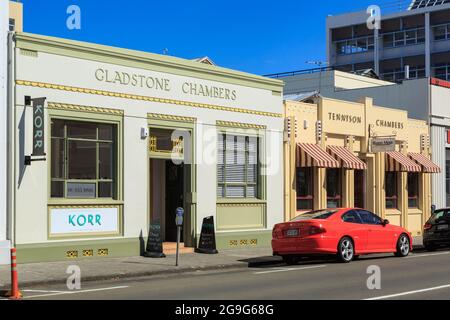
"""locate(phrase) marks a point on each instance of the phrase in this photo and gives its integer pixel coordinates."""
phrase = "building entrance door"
(174, 190)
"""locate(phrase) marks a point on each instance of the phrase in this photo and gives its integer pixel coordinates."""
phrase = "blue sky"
(254, 36)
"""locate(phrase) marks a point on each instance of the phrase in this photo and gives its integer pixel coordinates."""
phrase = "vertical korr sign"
(38, 127)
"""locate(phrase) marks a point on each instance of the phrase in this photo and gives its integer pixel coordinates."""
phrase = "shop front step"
(171, 248)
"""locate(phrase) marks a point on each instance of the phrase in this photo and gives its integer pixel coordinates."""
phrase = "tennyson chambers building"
(126, 137)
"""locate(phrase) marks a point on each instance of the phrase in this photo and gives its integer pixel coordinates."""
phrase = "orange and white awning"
(346, 158)
(398, 162)
(312, 155)
(427, 165)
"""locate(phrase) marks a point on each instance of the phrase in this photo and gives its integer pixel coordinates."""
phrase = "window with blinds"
(237, 166)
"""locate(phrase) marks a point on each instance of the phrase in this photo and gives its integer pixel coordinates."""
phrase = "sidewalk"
(32, 274)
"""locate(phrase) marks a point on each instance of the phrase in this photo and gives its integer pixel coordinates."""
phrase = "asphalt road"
(420, 276)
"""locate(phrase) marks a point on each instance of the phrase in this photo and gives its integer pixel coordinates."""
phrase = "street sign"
(382, 144)
(38, 127)
(154, 242)
(207, 243)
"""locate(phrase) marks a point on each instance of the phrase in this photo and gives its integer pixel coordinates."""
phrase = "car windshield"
(314, 215)
(440, 215)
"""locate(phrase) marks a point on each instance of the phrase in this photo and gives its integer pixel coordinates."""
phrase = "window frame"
(99, 119)
(337, 198)
(416, 197)
(309, 198)
(394, 198)
(258, 185)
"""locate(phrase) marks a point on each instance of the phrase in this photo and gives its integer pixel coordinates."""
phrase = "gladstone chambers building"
(127, 137)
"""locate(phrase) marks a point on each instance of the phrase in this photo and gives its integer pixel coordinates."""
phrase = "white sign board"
(383, 144)
(86, 221)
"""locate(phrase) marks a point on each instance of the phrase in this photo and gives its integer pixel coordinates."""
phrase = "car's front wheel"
(403, 246)
(346, 250)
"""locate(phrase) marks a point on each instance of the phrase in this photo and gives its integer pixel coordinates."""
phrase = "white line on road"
(75, 292)
(409, 293)
(427, 255)
(289, 269)
(43, 291)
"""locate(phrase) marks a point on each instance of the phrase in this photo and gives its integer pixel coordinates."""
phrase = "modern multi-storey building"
(414, 41)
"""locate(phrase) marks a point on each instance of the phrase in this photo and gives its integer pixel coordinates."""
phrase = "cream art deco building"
(130, 136)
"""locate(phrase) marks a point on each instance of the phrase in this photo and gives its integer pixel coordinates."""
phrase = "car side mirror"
(385, 222)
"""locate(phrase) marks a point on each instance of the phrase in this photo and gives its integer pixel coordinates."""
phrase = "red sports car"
(346, 233)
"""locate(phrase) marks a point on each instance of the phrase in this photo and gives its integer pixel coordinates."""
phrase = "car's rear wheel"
(346, 250)
(291, 260)
(403, 246)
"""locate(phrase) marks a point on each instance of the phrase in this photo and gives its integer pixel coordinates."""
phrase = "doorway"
(167, 193)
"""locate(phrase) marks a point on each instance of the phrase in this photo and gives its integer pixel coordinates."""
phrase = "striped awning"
(312, 155)
(346, 158)
(428, 166)
(398, 162)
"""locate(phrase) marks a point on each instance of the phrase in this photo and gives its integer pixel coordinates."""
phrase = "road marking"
(42, 291)
(75, 292)
(274, 270)
(427, 255)
(409, 293)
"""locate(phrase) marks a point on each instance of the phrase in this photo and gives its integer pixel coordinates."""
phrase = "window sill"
(84, 202)
(414, 211)
(238, 201)
(393, 212)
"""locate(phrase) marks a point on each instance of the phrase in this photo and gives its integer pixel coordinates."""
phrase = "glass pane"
(439, 32)
(412, 203)
(399, 39)
(235, 173)
(410, 37)
(82, 160)
(391, 204)
(106, 132)
(220, 191)
(57, 161)
(57, 189)
(304, 204)
(304, 182)
(333, 183)
(163, 139)
(105, 190)
(391, 184)
(220, 173)
(251, 192)
(81, 130)
(252, 173)
(388, 40)
(57, 128)
(235, 191)
(331, 204)
(106, 161)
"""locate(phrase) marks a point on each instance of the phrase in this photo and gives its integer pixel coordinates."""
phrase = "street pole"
(4, 29)
(179, 223)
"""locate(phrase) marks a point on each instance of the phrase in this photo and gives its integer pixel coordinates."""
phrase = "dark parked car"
(437, 230)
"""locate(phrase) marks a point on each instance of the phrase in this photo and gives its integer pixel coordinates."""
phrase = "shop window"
(238, 166)
(334, 188)
(391, 187)
(305, 190)
(413, 190)
(360, 189)
(83, 160)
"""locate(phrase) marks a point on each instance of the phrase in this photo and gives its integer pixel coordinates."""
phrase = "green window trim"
(97, 118)
(260, 183)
